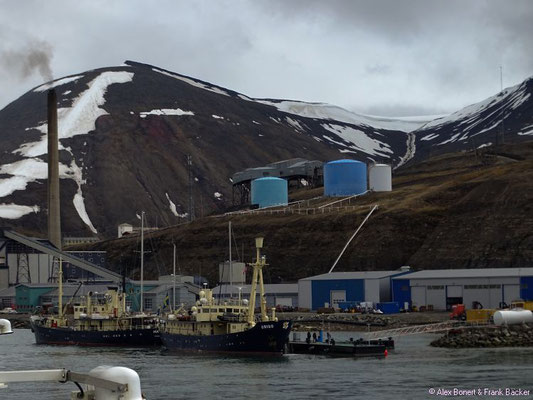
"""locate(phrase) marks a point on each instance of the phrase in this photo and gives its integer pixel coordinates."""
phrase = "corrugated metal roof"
(353, 275)
(145, 283)
(277, 288)
(84, 290)
(167, 287)
(38, 285)
(468, 273)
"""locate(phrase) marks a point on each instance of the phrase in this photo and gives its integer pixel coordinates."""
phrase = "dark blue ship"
(147, 335)
(263, 338)
(100, 322)
(229, 327)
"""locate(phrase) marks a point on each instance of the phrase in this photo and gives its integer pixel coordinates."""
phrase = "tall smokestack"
(54, 220)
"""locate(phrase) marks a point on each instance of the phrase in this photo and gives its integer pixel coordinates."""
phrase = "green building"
(28, 296)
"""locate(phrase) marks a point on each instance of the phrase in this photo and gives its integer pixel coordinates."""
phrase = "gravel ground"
(361, 322)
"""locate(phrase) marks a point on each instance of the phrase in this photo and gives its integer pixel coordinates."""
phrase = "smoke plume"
(33, 57)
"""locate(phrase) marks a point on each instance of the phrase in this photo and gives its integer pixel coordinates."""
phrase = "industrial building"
(293, 171)
(440, 289)
(29, 260)
(28, 296)
(333, 289)
(157, 295)
(7, 297)
(236, 275)
(281, 294)
(161, 297)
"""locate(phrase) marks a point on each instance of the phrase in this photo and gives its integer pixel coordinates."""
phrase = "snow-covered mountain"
(506, 117)
(330, 112)
(125, 133)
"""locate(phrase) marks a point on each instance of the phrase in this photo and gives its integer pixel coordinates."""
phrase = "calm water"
(407, 373)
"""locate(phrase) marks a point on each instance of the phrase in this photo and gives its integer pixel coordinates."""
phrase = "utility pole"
(142, 260)
(503, 113)
(174, 280)
(230, 263)
(191, 201)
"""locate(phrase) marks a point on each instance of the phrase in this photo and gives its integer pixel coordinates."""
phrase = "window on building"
(148, 304)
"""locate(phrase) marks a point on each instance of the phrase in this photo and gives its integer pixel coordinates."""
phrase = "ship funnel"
(54, 216)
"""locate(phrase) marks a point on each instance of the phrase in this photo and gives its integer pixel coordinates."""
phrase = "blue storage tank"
(344, 178)
(270, 192)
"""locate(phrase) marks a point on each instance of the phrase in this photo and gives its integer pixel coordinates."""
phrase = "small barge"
(358, 348)
(338, 349)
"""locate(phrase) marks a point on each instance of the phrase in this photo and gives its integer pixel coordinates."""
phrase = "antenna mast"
(191, 201)
(503, 114)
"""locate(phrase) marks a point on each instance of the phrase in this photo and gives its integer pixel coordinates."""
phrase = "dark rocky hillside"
(462, 210)
(125, 133)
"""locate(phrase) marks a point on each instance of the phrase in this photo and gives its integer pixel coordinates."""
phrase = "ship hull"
(65, 336)
(263, 338)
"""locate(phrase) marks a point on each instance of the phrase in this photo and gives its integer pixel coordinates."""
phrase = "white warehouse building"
(443, 288)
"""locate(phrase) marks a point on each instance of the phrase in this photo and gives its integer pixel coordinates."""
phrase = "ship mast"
(260, 262)
(60, 300)
(142, 260)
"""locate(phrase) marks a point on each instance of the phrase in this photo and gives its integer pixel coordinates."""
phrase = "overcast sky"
(382, 57)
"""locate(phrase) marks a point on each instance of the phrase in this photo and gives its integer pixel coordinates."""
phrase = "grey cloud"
(378, 69)
(372, 56)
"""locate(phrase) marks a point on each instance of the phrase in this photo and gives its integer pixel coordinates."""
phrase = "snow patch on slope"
(410, 151)
(360, 141)
(430, 136)
(166, 111)
(15, 211)
(79, 119)
(75, 173)
(330, 112)
(526, 131)
(173, 208)
(57, 83)
(295, 124)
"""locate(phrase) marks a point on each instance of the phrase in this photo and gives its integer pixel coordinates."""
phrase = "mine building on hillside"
(296, 171)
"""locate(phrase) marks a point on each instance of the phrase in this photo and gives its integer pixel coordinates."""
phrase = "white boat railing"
(101, 383)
